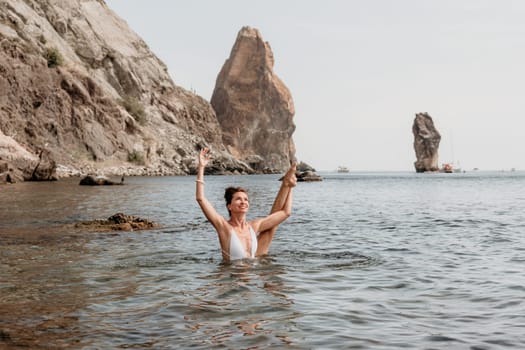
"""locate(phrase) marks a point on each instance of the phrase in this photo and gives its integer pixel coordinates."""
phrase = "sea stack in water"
(426, 143)
(254, 107)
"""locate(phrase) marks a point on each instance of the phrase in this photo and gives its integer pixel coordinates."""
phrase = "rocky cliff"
(253, 106)
(78, 85)
(426, 143)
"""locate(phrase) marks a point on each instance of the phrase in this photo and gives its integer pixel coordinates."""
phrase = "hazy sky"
(359, 71)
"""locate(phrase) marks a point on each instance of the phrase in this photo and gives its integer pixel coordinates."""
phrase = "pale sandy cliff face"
(253, 106)
(426, 143)
(73, 111)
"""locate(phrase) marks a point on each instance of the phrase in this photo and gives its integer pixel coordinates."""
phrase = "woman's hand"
(204, 157)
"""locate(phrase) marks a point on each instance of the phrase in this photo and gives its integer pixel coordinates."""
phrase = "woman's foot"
(289, 178)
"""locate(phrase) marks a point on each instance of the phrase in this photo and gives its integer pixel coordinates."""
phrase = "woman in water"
(238, 238)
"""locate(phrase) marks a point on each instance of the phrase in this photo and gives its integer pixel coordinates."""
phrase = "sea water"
(366, 261)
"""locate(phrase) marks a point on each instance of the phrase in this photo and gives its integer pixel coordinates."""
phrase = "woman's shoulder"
(223, 225)
(255, 224)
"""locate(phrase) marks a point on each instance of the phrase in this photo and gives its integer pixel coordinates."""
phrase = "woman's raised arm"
(207, 208)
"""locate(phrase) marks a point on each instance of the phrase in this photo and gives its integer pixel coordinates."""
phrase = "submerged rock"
(118, 222)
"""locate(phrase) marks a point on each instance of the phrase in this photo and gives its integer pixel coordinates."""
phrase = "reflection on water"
(373, 261)
(245, 298)
(40, 293)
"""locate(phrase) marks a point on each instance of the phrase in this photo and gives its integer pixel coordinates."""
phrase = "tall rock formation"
(426, 143)
(77, 84)
(253, 106)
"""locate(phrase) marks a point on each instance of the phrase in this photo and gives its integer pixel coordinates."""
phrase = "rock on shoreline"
(99, 181)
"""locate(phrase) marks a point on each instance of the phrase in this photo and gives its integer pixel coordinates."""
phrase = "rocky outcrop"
(17, 164)
(117, 222)
(306, 173)
(81, 89)
(253, 106)
(426, 143)
(91, 180)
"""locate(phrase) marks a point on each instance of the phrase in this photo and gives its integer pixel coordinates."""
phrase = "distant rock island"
(81, 93)
(426, 143)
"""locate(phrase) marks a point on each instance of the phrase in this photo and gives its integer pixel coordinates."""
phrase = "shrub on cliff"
(135, 108)
(54, 57)
(136, 157)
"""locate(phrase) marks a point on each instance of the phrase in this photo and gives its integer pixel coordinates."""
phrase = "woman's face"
(239, 202)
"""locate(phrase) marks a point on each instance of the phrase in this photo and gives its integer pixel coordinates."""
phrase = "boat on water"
(450, 168)
(447, 168)
(343, 169)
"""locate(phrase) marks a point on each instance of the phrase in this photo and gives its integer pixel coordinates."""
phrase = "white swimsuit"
(237, 251)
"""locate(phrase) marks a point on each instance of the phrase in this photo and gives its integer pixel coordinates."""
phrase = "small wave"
(330, 260)
(442, 338)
